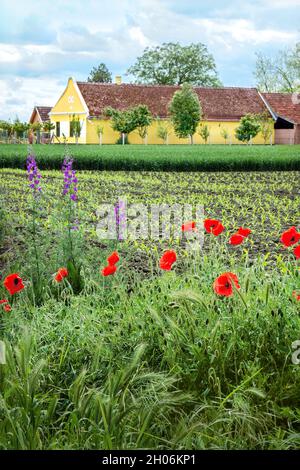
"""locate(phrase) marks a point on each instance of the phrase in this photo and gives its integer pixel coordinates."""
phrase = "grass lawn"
(148, 358)
(159, 157)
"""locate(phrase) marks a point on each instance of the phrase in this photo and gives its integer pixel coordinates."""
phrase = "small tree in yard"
(48, 126)
(142, 119)
(100, 134)
(163, 131)
(225, 134)
(121, 121)
(75, 128)
(185, 110)
(204, 132)
(248, 129)
(36, 127)
(19, 128)
(266, 126)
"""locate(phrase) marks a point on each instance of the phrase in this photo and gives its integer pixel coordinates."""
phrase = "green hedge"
(158, 157)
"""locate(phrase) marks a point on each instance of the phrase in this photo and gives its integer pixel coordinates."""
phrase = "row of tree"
(185, 115)
(18, 129)
(174, 64)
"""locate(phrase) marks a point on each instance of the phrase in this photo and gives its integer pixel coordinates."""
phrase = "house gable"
(71, 101)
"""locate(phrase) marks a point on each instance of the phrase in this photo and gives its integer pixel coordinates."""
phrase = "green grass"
(159, 157)
(151, 359)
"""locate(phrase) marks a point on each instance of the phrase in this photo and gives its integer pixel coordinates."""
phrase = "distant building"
(286, 113)
(40, 114)
(222, 109)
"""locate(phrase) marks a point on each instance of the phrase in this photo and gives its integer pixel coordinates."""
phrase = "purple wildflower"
(34, 175)
(70, 180)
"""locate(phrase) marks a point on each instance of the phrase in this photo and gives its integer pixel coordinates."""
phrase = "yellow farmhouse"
(222, 109)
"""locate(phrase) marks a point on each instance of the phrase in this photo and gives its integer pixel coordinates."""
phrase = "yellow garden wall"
(110, 136)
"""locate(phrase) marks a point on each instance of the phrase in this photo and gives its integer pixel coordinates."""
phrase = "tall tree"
(173, 64)
(264, 73)
(100, 74)
(280, 73)
(185, 111)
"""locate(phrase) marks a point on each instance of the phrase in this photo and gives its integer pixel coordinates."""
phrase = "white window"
(64, 128)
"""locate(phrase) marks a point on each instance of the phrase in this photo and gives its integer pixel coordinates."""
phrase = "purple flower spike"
(34, 175)
(70, 179)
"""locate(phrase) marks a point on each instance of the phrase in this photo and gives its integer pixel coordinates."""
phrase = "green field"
(159, 157)
(146, 358)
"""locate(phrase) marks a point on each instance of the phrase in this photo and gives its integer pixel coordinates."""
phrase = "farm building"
(285, 109)
(40, 114)
(222, 109)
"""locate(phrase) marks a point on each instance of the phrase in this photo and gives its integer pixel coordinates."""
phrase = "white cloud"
(20, 95)
(243, 31)
(40, 48)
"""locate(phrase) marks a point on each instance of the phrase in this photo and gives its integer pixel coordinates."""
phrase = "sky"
(43, 43)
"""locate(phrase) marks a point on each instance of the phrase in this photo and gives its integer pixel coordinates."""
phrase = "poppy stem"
(241, 296)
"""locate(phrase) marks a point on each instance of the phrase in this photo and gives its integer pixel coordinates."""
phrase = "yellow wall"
(110, 136)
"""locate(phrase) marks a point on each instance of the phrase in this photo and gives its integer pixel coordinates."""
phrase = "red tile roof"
(44, 112)
(217, 103)
(284, 105)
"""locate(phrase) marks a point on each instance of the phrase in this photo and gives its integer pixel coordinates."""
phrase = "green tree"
(248, 128)
(173, 64)
(280, 73)
(100, 130)
(185, 111)
(121, 121)
(100, 74)
(75, 128)
(204, 132)
(225, 134)
(266, 126)
(48, 126)
(7, 127)
(20, 128)
(36, 128)
(142, 119)
(163, 131)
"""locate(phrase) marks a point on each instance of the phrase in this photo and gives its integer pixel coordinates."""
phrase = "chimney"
(118, 80)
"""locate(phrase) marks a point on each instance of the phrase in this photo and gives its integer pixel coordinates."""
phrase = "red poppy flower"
(290, 237)
(188, 226)
(3, 301)
(61, 273)
(13, 283)
(213, 226)
(244, 231)
(7, 308)
(296, 295)
(223, 285)
(109, 270)
(297, 251)
(113, 258)
(236, 239)
(167, 259)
